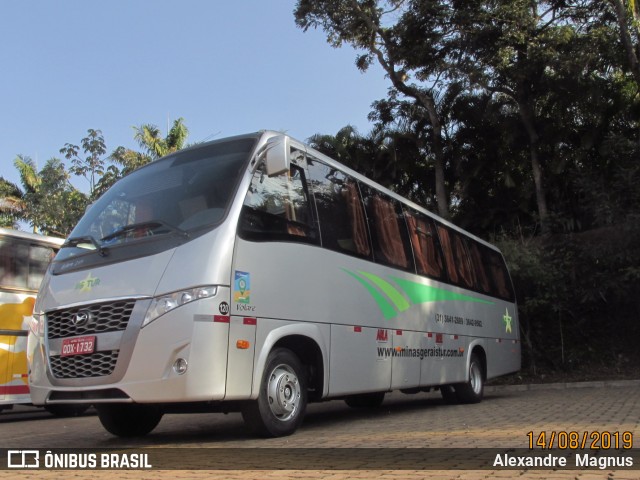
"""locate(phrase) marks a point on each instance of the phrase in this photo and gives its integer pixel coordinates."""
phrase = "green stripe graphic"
(417, 293)
(396, 297)
(387, 309)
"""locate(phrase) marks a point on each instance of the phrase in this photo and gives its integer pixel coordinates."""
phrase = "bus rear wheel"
(282, 401)
(473, 389)
(129, 420)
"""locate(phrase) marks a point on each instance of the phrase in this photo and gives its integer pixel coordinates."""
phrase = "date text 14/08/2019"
(550, 460)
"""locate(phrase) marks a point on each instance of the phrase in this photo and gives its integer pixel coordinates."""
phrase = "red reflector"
(221, 318)
(398, 332)
(250, 321)
(455, 337)
(438, 338)
(430, 335)
(357, 329)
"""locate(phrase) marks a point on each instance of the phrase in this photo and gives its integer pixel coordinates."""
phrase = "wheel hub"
(284, 392)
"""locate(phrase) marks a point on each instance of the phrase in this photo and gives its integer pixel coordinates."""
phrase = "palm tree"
(149, 137)
(13, 199)
(46, 200)
(11, 204)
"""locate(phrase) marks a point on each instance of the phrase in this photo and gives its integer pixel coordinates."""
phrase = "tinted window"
(426, 249)
(478, 254)
(456, 257)
(277, 208)
(22, 264)
(388, 230)
(188, 190)
(500, 277)
(341, 215)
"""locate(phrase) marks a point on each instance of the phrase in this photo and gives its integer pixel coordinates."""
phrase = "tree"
(390, 157)
(47, 201)
(628, 18)
(11, 204)
(149, 138)
(413, 63)
(93, 163)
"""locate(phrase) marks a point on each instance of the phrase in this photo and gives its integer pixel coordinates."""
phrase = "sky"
(226, 67)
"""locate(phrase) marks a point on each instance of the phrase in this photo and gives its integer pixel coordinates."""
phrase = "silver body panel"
(295, 289)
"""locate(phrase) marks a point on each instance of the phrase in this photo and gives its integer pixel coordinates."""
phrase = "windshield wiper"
(77, 241)
(123, 231)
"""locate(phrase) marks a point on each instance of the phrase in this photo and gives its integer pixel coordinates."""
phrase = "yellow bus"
(24, 258)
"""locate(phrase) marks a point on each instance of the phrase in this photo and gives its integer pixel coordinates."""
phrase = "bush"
(578, 299)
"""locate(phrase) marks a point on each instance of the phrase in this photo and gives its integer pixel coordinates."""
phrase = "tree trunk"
(625, 37)
(527, 116)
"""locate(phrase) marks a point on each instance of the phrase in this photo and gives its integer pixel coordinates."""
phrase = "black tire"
(66, 410)
(129, 420)
(365, 400)
(473, 390)
(282, 400)
(448, 394)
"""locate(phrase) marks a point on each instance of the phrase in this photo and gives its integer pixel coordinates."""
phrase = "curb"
(562, 386)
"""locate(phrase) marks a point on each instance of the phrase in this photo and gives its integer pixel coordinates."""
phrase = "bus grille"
(98, 364)
(102, 317)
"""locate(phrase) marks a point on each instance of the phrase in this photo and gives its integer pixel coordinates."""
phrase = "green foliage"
(92, 165)
(578, 297)
(51, 205)
(10, 204)
(46, 200)
(149, 138)
(537, 129)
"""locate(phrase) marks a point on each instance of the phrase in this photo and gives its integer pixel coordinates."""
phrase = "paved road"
(501, 421)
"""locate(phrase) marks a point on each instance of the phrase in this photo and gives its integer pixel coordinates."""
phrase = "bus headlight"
(170, 301)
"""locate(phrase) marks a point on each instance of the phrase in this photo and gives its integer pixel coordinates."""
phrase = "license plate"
(78, 345)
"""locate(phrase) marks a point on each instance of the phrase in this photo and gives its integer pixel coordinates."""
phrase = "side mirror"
(277, 156)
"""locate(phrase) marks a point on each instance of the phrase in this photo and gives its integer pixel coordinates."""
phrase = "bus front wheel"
(282, 401)
(129, 420)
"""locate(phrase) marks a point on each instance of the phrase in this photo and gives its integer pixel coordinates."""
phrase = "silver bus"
(255, 274)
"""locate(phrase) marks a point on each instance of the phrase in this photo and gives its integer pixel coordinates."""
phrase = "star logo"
(88, 283)
(506, 318)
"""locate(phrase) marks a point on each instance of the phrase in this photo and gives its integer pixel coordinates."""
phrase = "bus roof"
(337, 165)
(34, 237)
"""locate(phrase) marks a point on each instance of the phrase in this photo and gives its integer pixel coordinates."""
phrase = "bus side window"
(277, 208)
(343, 226)
(477, 253)
(425, 245)
(447, 249)
(388, 230)
(457, 257)
(498, 271)
(14, 263)
(39, 258)
(462, 261)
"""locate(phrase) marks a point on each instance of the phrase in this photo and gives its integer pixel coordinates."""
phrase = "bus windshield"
(179, 194)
